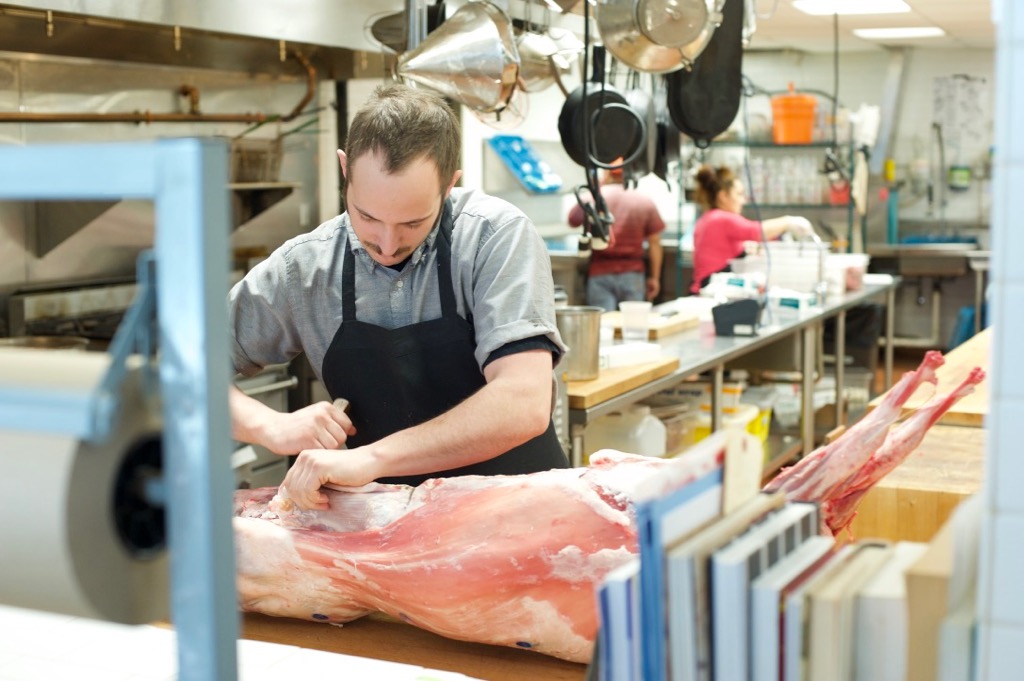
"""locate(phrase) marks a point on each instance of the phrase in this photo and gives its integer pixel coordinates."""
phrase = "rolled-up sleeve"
(260, 318)
(513, 295)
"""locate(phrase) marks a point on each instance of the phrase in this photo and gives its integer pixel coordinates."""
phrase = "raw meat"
(516, 560)
(506, 560)
(838, 475)
(903, 439)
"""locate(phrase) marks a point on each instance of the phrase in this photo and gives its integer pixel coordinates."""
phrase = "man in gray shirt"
(429, 308)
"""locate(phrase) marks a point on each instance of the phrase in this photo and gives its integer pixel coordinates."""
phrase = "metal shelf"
(56, 221)
(771, 145)
(802, 206)
(779, 450)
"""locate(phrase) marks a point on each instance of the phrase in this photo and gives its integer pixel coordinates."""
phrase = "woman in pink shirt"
(721, 230)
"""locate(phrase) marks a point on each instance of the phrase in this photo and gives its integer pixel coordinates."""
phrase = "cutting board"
(971, 410)
(915, 499)
(616, 381)
(657, 325)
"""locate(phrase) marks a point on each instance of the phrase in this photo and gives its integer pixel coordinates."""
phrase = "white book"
(795, 616)
(958, 642)
(881, 618)
(831, 607)
(732, 570)
(618, 605)
(766, 594)
(689, 609)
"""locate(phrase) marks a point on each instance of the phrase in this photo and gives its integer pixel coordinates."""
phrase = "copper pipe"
(310, 85)
(194, 116)
(192, 92)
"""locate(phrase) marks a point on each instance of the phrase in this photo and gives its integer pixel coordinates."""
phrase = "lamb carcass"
(506, 560)
(516, 560)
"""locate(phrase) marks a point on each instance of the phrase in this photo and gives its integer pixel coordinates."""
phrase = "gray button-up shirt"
(291, 302)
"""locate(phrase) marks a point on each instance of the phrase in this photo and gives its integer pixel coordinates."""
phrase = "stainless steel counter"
(700, 350)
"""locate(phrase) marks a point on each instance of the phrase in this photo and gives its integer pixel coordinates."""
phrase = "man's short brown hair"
(402, 124)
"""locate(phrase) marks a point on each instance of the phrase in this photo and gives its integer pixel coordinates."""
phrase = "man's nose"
(390, 241)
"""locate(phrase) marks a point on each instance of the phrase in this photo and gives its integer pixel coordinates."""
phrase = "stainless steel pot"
(657, 36)
(580, 329)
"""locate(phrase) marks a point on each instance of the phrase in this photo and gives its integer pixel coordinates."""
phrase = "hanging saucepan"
(601, 120)
(390, 30)
(657, 36)
(643, 104)
(536, 68)
(535, 50)
(704, 100)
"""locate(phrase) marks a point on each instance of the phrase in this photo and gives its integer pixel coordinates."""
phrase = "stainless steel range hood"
(224, 34)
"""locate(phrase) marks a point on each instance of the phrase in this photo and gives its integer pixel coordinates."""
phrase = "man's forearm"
(509, 410)
(247, 414)
(655, 256)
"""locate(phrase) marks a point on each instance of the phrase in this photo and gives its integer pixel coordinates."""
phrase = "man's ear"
(455, 179)
(343, 160)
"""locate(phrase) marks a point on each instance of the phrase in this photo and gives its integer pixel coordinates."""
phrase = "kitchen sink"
(922, 259)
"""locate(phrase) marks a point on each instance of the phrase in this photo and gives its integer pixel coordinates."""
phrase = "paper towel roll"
(76, 536)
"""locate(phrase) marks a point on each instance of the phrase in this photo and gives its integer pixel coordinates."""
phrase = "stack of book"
(758, 592)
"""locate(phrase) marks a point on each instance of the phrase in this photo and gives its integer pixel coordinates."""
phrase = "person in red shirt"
(619, 272)
(721, 230)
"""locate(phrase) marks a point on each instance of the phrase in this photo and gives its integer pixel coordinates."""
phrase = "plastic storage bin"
(634, 430)
(745, 417)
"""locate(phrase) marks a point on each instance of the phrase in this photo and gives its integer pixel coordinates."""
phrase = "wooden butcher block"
(658, 325)
(381, 637)
(916, 499)
(971, 410)
(616, 381)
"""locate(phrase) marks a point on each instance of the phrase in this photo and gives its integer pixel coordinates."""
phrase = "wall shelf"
(56, 221)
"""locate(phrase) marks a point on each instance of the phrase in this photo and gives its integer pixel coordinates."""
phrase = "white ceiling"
(967, 23)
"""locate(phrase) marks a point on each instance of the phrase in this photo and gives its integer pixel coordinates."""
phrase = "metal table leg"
(808, 338)
(890, 321)
(576, 435)
(840, 368)
(979, 291)
(717, 383)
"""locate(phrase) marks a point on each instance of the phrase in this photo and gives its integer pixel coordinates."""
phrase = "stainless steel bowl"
(45, 342)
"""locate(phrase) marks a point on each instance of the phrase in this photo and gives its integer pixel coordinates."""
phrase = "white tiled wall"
(1001, 616)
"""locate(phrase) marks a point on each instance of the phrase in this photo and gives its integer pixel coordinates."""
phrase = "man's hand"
(318, 426)
(653, 288)
(315, 468)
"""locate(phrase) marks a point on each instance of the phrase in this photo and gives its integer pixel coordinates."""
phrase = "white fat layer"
(573, 565)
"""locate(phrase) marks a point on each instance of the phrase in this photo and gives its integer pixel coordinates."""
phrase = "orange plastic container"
(793, 118)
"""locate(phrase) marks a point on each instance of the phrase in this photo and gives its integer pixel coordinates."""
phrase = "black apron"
(398, 378)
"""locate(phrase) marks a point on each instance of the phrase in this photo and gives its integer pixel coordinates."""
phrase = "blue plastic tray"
(519, 157)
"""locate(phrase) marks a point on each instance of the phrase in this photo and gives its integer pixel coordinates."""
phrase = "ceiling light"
(897, 33)
(823, 7)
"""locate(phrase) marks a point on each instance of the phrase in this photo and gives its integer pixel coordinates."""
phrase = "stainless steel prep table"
(699, 351)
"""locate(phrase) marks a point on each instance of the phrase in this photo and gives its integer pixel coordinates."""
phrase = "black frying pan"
(614, 130)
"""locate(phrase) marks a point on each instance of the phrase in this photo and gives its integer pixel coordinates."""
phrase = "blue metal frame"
(187, 181)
